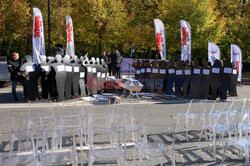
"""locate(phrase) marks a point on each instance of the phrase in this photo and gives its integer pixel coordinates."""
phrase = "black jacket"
(117, 60)
(14, 68)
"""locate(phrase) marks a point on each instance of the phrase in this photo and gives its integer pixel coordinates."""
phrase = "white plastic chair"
(41, 124)
(59, 155)
(155, 143)
(218, 125)
(192, 116)
(75, 120)
(106, 143)
(24, 154)
(241, 144)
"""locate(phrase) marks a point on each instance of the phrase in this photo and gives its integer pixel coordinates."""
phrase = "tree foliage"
(107, 24)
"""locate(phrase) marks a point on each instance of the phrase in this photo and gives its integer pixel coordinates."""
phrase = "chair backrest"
(108, 137)
(199, 106)
(72, 120)
(25, 141)
(220, 106)
(243, 118)
(189, 106)
(238, 104)
(100, 120)
(47, 122)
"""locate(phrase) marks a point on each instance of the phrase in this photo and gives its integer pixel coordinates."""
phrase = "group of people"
(114, 62)
(194, 80)
(61, 78)
(71, 77)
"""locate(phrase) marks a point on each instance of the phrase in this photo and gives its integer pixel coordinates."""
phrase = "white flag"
(236, 59)
(160, 37)
(38, 36)
(70, 50)
(185, 41)
(213, 52)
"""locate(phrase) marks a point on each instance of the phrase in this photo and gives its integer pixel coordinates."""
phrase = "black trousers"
(117, 72)
(45, 85)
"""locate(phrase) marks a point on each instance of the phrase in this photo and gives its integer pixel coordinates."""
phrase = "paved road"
(162, 111)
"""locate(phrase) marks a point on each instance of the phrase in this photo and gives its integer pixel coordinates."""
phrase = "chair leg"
(161, 163)
(223, 157)
(247, 157)
(187, 130)
(200, 138)
(214, 141)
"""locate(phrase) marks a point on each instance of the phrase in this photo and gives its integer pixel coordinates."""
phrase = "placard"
(82, 74)
(234, 71)
(228, 70)
(187, 72)
(138, 71)
(45, 68)
(94, 70)
(178, 72)
(162, 71)
(155, 70)
(68, 68)
(29, 69)
(103, 75)
(60, 68)
(99, 74)
(148, 70)
(197, 71)
(89, 69)
(142, 70)
(171, 71)
(76, 69)
(215, 70)
(206, 72)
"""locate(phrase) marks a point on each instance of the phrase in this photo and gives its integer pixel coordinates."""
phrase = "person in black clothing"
(107, 59)
(16, 75)
(109, 62)
(102, 55)
(117, 64)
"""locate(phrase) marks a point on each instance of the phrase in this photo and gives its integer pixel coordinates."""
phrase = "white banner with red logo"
(70, 49)
(160, 37)
(185, 41)
(38, 36)
(236, 59)
(213, 52)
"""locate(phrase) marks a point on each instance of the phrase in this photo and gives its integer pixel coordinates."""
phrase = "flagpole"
(49, 26)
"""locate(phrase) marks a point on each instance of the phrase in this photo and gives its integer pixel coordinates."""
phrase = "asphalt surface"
(161, 111)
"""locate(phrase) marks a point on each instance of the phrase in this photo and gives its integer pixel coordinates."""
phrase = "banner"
(236, 59)
(185, 41)
(70, 49)
(126, 65)
(160, 37)
(38, 36)
(213, 52)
